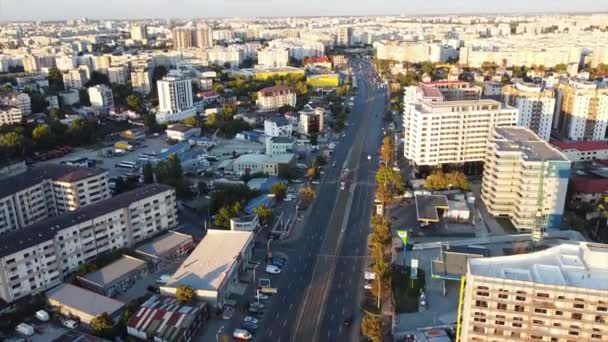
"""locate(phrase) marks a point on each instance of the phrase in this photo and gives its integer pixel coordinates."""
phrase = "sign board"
(403, 236)
(414, 264)
(379, 209)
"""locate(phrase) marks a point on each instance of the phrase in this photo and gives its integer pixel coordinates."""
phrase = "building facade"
(37, 257)
(175, 99)
(558, 294)
(273, 98)
(277, 57)
(525, 179)
(10, 115)
(584, 110)
(101, 97)
(535, 107)
(41, 193)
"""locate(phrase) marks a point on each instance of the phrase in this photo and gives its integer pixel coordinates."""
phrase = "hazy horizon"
(27, 10)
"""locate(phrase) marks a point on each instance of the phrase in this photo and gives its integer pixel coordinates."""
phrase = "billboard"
(403, 236)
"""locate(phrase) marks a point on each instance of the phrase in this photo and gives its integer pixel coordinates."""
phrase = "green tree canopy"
(371, 327)
(264, 213)
(136, 103)
(184, 294)
(102, 324)
(148, 172)
(43, 136)
(279, 190)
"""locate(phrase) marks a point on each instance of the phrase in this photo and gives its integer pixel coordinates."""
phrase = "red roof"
(442, 82)
(580, 145)
(590, 185)
(319, 59)
(270, 91)
(209, 93)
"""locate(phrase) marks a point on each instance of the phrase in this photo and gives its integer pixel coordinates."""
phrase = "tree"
(191, 121)
(228, 111)
(150, 123)
(560, 67)
(56, 114)
(184, 294)
(387, 151)
(307, 194)
(82, 131)
(55, 79)
(439, 180)
(148, 172)
(223, 216)
(264, 213)
(314, 139)
(371, 327)
(38, 102)
(279, 190)
(390, 183)
(43, 136)
(136, 103)
(101, 324)
(97, 78)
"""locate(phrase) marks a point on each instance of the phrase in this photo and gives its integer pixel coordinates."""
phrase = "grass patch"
(506, 225)
(406, 291)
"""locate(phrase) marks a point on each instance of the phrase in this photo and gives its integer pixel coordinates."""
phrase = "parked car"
(153, 289)
(256, 305)
(227, 313)
(163, 279)
(25, 329)
(42, 315)
(69, 323)
(251, 319)
(242, 334)
(254, 310)
(262, 296)
(250, 326)
(278, 263)
(272, 269)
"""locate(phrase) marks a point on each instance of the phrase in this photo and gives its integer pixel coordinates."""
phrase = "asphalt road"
(323, 281)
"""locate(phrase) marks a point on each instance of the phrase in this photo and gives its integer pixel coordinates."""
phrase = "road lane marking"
(284, 323)
(270, 334)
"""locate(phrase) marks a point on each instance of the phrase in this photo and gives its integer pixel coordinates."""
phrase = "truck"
(123, 145)
(344, 178)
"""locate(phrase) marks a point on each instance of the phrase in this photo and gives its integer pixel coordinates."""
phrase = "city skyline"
(12, 10)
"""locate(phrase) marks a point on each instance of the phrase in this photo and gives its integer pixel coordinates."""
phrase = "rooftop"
(164, 243)
(583, 265)
(523, 140)
(211, 260)
(84, 300)
(580, 145)
(46, 229)
(427, 206)
(270, 91)
(114, 271)
(57, 172)
(179, 128)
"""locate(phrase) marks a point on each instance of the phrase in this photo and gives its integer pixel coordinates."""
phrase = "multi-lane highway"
(322, 284)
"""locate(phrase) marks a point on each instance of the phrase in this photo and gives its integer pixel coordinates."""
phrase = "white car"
(272, 269)
(163, 279)
(250, 319)
(242, 334)
(69, 323)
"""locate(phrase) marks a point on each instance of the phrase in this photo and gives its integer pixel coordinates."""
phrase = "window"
(543, 311)
(501, 306)
(577, 316)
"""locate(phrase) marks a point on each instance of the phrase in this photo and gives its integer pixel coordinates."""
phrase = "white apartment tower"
(557, 294)
(141, 80)
(204, 36)
(438, 132)
(344, 36)
(273, 57)
(534, 104)
(525, 178)
(139, 32)
(101, 97)
(175, 99)
(75, 79)
(584, 110)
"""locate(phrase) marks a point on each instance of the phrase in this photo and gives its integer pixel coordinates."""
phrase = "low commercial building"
(558, 294)
(212, 268)
(525, 179)
(277, 126)
(37, 257)
(10, 115)
(48, 191)
(270, 165)
(280, 145)
(247, 223)
(581, 151)
(115, 277)
(181, 132)
(74, 301)
(430, 208)
(164, 319)
(166, 248)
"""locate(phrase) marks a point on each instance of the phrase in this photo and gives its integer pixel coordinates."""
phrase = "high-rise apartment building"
(439, 131)
(141, 80)
(139, 32)
(75, 79)
(273, 57)
(344, 36)
(584, 110)
(525, 178)
(175, 99)
(118, 75)
(273, 98)
(101, 97)
(183, 37)
(10, 115)
(534, 104)
(38, 257)
(43, 192)
(559, 294)
(204, 36)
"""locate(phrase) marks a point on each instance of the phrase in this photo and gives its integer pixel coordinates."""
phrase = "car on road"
(242, 334)
(272, 269)
(262, 296)
(256, 305)
(153, 289)
(316, 182)
(254, 310)
(69, 323)
(249, 326)
(250, 319)
(333, 164)
(348, 320)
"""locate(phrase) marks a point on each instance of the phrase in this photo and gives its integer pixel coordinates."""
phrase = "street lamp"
(217, 335)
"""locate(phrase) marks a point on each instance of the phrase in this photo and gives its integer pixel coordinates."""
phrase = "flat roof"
(83, 300)
(114, 271)
(180, 128)
(164, 243)
(45, 230)
(427, 205)
(523, 140)
(214, 256)
(58, 172)
(582, 265)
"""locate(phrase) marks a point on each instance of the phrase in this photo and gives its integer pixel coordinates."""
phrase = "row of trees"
(168, 172)
(439, 180)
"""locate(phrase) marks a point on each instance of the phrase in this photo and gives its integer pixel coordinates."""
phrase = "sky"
(11, 10)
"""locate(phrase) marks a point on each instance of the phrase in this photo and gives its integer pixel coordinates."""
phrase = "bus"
(126, 165)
